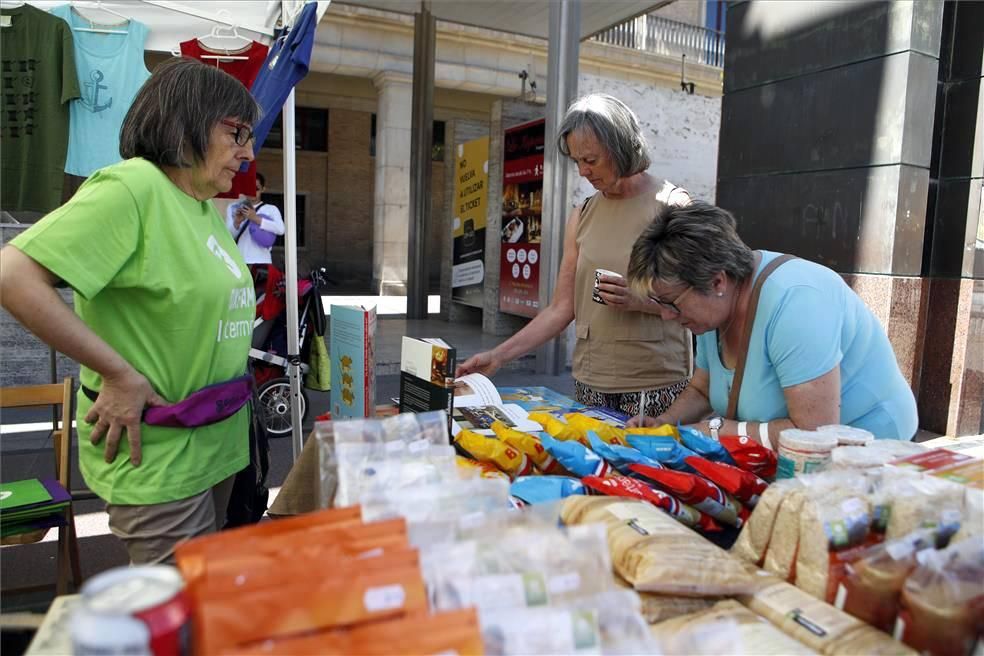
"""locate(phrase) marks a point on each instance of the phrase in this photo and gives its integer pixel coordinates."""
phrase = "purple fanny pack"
(206, 406)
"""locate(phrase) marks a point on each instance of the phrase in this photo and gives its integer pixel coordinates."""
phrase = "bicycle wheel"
(274, 406)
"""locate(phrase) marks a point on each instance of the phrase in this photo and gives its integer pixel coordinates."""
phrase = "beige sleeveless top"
(618, 351)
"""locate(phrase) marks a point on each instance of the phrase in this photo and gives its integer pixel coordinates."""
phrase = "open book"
(477, 404)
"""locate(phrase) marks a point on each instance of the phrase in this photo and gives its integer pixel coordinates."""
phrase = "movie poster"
(522, 206)
(471, 171)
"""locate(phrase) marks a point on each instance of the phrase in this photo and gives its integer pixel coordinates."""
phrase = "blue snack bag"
(542, 489)
(620, 457)
(704, 446)
(665, 449)
(575, 457)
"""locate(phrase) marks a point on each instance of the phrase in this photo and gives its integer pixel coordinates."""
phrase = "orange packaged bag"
(558, 429)
(531, 446)
(250, 574)
(224, 623)
(454, 632)
(607, 432)
(192, 555)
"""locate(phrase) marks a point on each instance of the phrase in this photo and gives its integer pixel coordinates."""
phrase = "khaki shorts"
(151, 533)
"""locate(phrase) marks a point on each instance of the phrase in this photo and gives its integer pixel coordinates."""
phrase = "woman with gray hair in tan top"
(623, 346)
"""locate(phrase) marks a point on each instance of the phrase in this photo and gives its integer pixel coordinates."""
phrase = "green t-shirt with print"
(158, 277)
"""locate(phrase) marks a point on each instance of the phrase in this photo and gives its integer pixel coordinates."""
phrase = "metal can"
(142, 610)
(595, 296)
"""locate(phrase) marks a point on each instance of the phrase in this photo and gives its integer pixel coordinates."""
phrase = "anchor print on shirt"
(91, 99)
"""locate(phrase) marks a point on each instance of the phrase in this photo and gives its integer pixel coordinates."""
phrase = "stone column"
(826, 142)
(391, 211)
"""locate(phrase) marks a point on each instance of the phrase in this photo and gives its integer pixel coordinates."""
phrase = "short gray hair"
(615, 126)
(689, 245)
(170, 121)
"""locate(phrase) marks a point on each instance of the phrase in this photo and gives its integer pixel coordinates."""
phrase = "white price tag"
(386, 597)
(417, 446)
(564, 583)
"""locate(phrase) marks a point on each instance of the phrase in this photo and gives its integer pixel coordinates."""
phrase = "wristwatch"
(715, 424)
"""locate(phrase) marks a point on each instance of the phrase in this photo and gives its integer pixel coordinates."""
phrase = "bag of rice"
(757, 532)
(744, 486)
(830, 525)
(905, 501)
(658, 608)
(726, 627)
(873, 579)
(656, 554)
(942, 604)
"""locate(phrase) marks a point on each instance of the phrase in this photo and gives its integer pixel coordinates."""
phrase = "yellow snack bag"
(493, 450)
(607, 432)
(667, 430)
(559, 430)
(531, 446)
(481, 469)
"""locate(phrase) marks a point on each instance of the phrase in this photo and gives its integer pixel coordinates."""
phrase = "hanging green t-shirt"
(158, 277)
(38, 81)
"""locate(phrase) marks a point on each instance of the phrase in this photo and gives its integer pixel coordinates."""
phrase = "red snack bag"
(744, 486)
(698, 492)
(630, 488)
(751, 456)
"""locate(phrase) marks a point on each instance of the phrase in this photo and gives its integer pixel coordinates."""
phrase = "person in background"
(164, 306)
(624, 349)
(255, 226)
(816, 354)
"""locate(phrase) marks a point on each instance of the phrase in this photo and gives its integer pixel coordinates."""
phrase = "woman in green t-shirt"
(164, 305)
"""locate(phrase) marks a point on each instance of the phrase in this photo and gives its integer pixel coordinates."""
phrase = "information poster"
(522, 206)
(471, 193)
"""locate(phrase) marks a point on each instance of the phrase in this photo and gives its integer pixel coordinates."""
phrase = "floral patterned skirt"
(657, 400)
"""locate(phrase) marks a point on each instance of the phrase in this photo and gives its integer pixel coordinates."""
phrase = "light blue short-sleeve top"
(809, 321)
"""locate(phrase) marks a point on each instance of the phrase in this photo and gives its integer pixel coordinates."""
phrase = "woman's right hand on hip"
(119, 408)
(484, 363)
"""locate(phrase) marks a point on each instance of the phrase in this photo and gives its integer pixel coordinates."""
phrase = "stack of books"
(30, 505)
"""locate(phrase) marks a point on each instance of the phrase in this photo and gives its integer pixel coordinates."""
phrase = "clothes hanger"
(98, 6)
(224, 32)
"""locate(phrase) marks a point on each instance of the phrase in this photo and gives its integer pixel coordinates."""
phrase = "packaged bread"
(658, 607)
(866, 641)
(656, 554)
(942, 603)
(745, 632)
(755, 535)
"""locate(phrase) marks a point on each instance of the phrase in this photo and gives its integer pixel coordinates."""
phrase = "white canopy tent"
(169, 24)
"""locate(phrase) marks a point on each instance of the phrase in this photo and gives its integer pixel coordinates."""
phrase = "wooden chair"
(68, 545)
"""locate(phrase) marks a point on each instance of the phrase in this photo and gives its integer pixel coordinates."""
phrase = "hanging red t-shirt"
(244, 70)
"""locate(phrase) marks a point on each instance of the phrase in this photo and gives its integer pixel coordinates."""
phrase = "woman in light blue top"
(816, 354)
